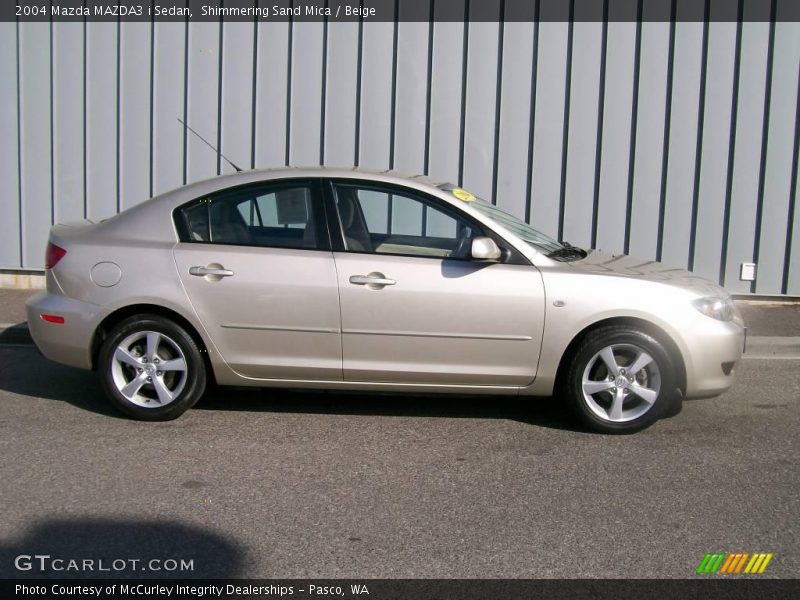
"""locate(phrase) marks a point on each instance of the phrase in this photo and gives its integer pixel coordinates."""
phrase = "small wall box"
(747, 272)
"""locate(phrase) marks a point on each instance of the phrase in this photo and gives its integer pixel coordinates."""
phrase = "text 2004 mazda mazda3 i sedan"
(321, 278)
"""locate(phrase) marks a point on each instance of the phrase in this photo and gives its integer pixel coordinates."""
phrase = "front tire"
(151, 368)
(620, 380)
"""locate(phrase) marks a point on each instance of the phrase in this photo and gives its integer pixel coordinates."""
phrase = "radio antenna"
(229, 161)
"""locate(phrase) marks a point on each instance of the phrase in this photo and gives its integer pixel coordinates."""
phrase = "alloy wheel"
(621, 383)
(149, 369)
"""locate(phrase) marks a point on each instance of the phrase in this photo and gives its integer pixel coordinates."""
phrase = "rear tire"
(151, 368)
(620, 380)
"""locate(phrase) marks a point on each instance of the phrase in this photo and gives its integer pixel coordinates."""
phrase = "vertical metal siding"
(68, 127)
(747, 152)
(168, 95)
(340, 94)
(10, 219)
(677, 140)
(271, 99)
(548, 137)
(616, 143)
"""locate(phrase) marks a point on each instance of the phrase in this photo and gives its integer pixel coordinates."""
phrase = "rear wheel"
(620, 380)
(151, 368)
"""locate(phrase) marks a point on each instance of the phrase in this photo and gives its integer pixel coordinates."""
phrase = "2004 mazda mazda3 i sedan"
(322, 278)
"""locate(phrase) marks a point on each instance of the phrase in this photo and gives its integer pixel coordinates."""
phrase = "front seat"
(355, 231)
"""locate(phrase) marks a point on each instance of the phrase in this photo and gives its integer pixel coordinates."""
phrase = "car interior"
(372, 221)
(419, 230)
(282, 219)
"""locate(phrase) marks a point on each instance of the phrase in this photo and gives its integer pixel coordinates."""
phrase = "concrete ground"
(297, 484)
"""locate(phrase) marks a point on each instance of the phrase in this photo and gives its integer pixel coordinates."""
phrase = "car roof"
(221, 182)
(150, 218)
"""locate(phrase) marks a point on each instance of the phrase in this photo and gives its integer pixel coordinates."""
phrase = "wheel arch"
(124, 312)
(647, 326)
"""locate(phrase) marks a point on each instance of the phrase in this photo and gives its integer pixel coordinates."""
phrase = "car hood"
(622, 265)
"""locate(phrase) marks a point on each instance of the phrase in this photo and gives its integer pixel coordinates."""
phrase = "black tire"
(625, 341)
(175, 340)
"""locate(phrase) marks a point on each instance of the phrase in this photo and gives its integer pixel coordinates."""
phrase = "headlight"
(721, 309)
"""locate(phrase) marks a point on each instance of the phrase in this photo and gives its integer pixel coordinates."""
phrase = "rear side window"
(281, 215)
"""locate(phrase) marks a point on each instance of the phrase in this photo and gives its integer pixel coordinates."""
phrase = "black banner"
(400, 10)
(391, 589)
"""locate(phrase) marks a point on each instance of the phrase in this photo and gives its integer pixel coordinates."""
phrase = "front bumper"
(713, 351)
(69, 342)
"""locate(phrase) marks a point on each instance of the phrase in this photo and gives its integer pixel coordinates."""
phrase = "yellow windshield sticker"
(463, 195)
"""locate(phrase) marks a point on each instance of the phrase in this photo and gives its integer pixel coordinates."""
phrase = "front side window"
(388, 221)
(276, 216)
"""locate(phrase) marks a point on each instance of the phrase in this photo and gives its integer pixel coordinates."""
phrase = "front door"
(416, 309)
(259, 273)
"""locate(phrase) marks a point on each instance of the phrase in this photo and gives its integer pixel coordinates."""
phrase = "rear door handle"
(201, 271)
(373, 279)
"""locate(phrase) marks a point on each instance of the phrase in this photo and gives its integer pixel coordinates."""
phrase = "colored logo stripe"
(711, 562)
(758, 563)
(731, 563)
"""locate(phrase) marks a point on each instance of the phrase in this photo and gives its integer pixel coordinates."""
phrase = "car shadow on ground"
(113, 543)
(543, 412)
(28, 373)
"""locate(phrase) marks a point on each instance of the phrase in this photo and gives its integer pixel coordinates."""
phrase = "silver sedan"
(346, 279)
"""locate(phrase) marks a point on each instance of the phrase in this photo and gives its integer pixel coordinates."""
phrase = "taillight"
(52, 255)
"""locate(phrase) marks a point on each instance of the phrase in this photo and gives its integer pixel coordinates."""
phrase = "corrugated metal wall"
(673, 141)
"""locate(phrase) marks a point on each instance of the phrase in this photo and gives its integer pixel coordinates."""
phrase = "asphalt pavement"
(298, 484)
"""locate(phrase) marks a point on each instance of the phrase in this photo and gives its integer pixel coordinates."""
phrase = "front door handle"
(213, 271)
(374, 281)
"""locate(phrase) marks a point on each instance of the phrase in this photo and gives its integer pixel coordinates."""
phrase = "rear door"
(258, 270)
(415, 308)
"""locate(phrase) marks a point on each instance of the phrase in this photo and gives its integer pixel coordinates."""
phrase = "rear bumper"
(714, 352)
(69, 342)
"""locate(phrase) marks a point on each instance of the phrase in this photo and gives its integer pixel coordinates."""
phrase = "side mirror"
(485, 249)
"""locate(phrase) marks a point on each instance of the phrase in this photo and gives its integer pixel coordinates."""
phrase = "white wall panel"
(549, 131)
(615, 151)
(649, 139)
(515, 109)
(102, 54)
(97, 128)
(272, 93)
(237, 94)
(134, 105)
(682, 149)
(376, 95)
(747, 156)
(68, 121)
(203, 99)
(411, 91)
(583, 131)
(35, 159)
(340, 94)
(448, 39)
(10, 224)
(715, 154)
(479, 121)
(169, 81)
(306, 94)
(778, 172)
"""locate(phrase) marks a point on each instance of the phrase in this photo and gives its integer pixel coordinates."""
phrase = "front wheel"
(620, 380)
(151, 368)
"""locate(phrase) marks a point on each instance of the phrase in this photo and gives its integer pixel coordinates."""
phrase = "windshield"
(537, 239)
